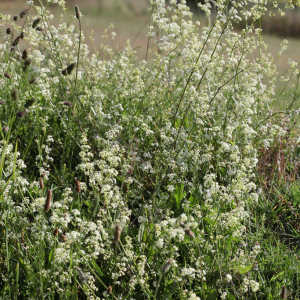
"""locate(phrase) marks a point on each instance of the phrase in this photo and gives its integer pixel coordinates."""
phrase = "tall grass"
(131, 179)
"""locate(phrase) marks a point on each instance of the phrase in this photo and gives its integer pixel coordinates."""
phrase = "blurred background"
(129, 19)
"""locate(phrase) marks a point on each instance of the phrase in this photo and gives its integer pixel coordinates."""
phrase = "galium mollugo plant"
(164, 152)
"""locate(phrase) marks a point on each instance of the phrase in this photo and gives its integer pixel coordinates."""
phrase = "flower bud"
(77, 187)
(36, 22)
(16, 41)
(55, 232)
(8, 31)
(41, 182)
(167, 266)
(20, 114)
(15, 95)
(25, 54)
(48, 201)
(66, 103)
(117, 236)
(15, 18)
(24, 13)
(109, 290)
(77, 12)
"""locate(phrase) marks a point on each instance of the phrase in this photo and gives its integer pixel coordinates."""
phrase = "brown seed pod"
(24, 54)
(15, 95)
(36, 22)
(6, 75)
(77, 187)
(15, 18)
(77, 12)
(24, 13)
(109, 290)
(117, 235)
(8, 31)
(48, 201)
(22, 35)
(41, 181)
(55, 232)
(39, 29)
(167, 266)
(63, 237)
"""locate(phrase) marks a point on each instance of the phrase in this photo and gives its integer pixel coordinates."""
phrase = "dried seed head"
(25, 54)
(6, 75)
(39, 29)
(16, 41)
(77, 12)
(48, 201)
(20, 114)
(15, 95)
(33, 80)
(66, 103)
(63, 238)
(41, 181)
(36, 22)
(55, 232)
(24, 13)
(29, 103)
(83, 277)
(117, 236)
(167, 266)
(284, 293)
(8, 31)
(109, 290)
(5, 129)
(22, 35)
(15, 18)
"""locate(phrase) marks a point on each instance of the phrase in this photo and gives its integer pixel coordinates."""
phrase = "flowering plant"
(137, 178)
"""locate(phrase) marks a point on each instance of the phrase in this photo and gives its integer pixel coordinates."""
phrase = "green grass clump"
(130, 179)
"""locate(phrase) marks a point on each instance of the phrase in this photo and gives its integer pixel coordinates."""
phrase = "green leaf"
(245, 269)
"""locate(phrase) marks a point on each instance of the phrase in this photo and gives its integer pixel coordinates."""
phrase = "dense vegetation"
(174, 177)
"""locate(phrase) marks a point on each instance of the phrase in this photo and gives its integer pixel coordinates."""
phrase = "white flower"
(159, 243)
